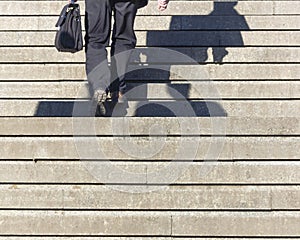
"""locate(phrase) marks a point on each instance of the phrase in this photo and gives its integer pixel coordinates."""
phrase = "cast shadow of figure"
(197, 34)
(192, 36)
(218, 30)
(227, 23)
(235, 22)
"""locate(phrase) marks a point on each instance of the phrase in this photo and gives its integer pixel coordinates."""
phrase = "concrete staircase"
(208, 150)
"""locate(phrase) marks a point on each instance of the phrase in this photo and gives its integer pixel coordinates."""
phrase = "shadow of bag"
(69, 30)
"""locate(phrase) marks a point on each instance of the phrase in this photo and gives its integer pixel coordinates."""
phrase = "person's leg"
(98, 27)
(123, 40)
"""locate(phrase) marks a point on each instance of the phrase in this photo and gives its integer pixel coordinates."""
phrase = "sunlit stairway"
(208, 146)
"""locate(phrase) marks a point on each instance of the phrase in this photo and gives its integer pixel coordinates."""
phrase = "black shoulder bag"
(69, 31)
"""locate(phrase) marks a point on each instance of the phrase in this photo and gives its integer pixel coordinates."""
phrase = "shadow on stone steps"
(133, 109)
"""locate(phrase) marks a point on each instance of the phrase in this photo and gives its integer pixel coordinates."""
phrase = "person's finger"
(162, 4)
(160, 8)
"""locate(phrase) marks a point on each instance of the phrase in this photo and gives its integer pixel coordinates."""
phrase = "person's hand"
(162, 4)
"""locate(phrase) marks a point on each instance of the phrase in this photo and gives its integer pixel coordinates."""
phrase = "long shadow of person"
(193, 36)
(227, 23)
(218, 30)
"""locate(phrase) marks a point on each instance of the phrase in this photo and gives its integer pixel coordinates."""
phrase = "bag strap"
(62, 16)
(64, 12)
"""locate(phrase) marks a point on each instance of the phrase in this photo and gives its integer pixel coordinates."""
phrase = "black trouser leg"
(123, 40)
(98, 28)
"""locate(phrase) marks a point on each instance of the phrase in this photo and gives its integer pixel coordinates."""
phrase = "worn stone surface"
(228, 108)
(172, 91)
(236, 224)
(132, 238)
(106, 197)
(63, 126)
(286, 197)
(197, 173)
(85, 223)
(166, 39)
(163, 72)
(157, 223)
(146, 148)
(177, 8)
(189, 22)
(199, 54)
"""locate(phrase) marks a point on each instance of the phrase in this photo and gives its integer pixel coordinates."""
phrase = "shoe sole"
(101, 110)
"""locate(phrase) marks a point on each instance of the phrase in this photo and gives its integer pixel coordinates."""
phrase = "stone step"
(150, 148)
(228, 108)
(56, 126)
(199, 54)
(82, 223)
(236, 224)
(56, 72)
(149, 23)
(175, 8)
(153, 91)
(249, 172)
(106, 238)
(150, 223)
(99, 197)
(172, 38)
(131, 238)
(93, 238)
